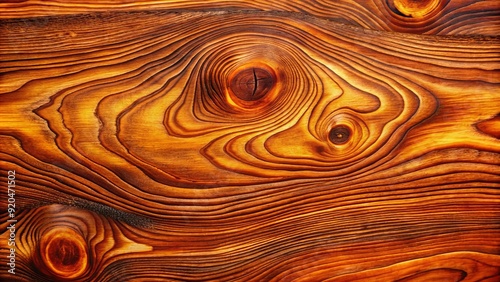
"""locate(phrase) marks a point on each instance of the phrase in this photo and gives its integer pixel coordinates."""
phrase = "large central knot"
(251, 84)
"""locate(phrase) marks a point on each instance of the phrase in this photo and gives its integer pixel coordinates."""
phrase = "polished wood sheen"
(465, 17)
(248, 146)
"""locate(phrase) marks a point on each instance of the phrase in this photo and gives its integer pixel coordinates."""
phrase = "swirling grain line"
(423, 17)
(259, 146)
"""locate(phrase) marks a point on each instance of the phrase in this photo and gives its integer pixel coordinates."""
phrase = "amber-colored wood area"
(465, 17)
(250, 141)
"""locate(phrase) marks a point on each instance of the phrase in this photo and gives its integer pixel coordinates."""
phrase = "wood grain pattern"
(422, 16)
(248, 146)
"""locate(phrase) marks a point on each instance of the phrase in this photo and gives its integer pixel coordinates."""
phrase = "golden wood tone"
(248, 146)
(413, 16)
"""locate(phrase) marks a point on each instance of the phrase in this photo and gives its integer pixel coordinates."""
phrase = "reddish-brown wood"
(413, 16)
(246, 146)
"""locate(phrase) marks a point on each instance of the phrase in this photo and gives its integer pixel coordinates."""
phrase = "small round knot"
(339, 135)
(63, 253)
(415, 8)
(251, 84)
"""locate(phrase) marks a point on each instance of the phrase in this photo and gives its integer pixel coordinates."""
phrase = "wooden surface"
(287, 143)
(464, 17)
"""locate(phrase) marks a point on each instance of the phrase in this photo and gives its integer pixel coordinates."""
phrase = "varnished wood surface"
(248, 146)
(411, 16)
